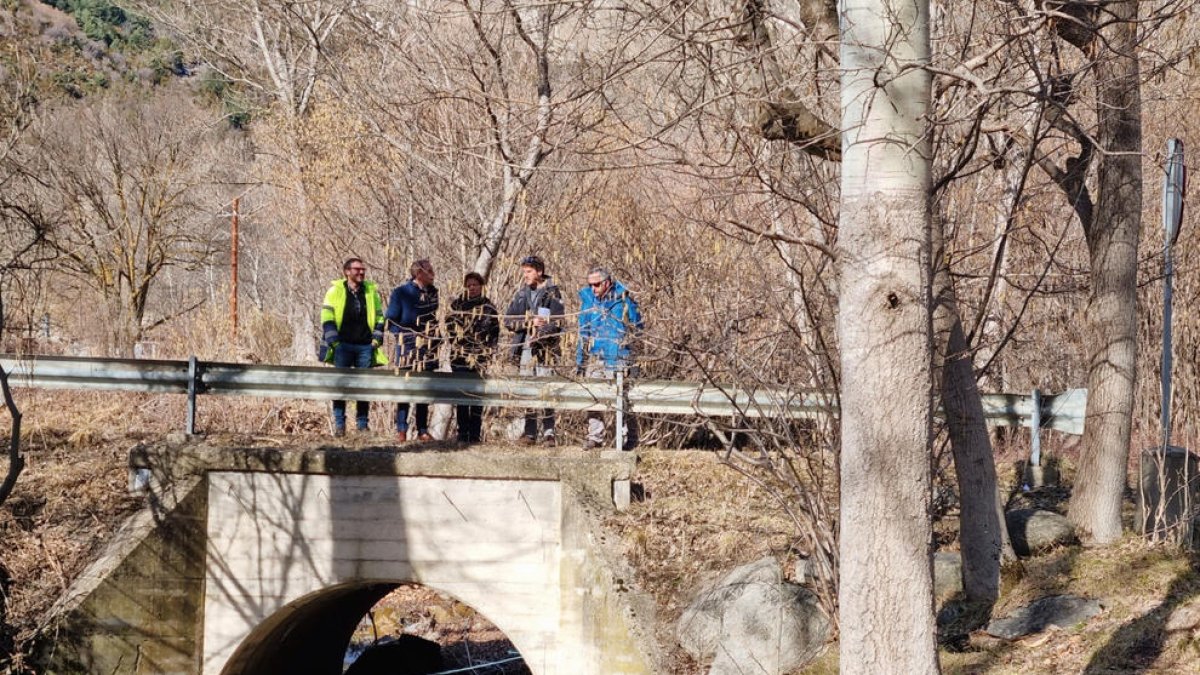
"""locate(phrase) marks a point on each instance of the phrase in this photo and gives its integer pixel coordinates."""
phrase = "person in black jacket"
(473, 329)
(535, 317)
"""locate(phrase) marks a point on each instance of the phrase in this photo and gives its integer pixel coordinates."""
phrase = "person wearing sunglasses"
(609, 325)
(352, 333)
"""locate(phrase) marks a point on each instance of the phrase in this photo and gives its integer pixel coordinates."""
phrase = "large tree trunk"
(982, 531)
(1112, 302)
(885, 593)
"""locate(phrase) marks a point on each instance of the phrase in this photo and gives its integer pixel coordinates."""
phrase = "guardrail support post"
(1035, 430)
(193, 376)
(1036, 475)
(619, 430)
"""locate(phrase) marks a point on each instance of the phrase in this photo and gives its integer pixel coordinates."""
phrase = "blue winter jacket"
(412, 315)
(607, 326)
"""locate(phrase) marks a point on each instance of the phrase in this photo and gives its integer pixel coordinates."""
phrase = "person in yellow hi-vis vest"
(352, 333)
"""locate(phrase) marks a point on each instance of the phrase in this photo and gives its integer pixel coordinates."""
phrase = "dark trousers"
(352, 356)
(421, 414)
(532, 366)
(544, 416)
(422, 409)
(469, 417)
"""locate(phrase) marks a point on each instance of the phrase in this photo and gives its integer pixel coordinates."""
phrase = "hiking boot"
(526, 440)
(339, 432)
(549, 441)
(589, 444)
(401, 436)
(424, 436)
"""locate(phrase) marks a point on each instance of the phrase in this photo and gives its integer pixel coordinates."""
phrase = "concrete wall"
(609, 623)
(263, 570)
(136, 608)
(276, 539)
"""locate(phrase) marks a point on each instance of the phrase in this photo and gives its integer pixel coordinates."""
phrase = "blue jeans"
(422, 415)
(352, 356)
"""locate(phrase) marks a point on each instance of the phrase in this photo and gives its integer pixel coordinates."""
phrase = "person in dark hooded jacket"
(473, 328)
(535, 317)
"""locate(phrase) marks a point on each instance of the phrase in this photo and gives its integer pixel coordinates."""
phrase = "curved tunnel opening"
(371, 628)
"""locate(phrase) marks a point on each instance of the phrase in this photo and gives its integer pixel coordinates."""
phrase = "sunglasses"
(595, 284)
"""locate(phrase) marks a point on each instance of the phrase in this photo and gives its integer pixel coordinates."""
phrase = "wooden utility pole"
(233, 268)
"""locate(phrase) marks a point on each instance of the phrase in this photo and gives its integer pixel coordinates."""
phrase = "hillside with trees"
(909, 208)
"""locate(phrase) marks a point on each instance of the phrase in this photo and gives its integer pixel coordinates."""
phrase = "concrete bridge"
(263, 560)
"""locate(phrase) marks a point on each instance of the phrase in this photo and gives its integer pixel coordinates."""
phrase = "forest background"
(691, 147)
(669, 143)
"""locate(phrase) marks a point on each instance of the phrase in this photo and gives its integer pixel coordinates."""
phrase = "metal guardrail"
(1064, 412)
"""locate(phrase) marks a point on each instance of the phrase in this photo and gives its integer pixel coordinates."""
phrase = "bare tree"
(134, 191)
(282, 54)
(23, 225)
(982, 532)
(484, 93)
(885, 593)
(1107, 34)
(1112, 230)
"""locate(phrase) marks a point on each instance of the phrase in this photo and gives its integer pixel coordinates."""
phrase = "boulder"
(1034, 530)
(700, 625)
(751, 620)
(1063, 611)
(1184, 617)
(770, 629)
(947, 574)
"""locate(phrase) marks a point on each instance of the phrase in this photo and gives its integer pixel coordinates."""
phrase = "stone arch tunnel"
(251, 560)
(310, 635)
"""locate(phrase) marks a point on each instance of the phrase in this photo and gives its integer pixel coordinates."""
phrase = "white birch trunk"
(516, 177)
(885, 593)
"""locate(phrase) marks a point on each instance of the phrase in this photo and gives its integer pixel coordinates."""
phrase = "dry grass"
(70, 498)
(1150, 622)
(73, 492)
(698, 519)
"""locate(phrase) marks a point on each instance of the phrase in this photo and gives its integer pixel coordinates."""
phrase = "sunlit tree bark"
(885, 594)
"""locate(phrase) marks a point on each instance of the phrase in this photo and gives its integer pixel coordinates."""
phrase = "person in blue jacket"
(412, 316)
(609, 325)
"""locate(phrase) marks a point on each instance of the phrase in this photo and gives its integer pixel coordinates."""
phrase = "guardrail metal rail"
(1063, 412)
